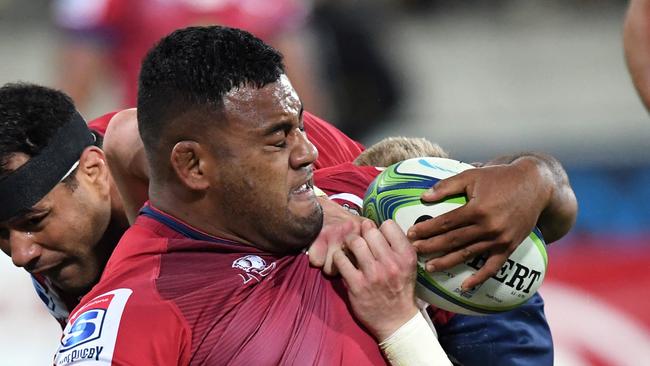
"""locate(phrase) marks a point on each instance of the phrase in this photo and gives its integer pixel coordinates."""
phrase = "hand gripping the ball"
(504, 202)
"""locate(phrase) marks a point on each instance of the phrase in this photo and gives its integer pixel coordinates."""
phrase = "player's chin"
(75, 279)
(306, 227)
(304, 204)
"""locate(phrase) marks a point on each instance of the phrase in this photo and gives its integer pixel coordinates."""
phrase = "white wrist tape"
(414, 344)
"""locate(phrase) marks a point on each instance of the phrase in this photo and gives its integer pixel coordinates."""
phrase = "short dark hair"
(190, 71)
(29, 117)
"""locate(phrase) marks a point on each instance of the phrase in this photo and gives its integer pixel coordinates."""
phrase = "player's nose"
(304, 152)
(24, 249)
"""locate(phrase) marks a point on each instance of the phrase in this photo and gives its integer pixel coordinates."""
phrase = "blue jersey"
(518, 337)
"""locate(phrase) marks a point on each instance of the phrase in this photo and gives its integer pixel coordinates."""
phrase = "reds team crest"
(254, 267)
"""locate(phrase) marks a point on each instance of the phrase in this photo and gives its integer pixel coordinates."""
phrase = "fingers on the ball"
(492, 265)
(440, 224)
(451, 240)
(456, 184)
(457, 256)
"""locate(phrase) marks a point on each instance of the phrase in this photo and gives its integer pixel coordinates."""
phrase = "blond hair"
(395, 149)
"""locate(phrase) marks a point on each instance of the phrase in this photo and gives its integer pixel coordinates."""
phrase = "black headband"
(25, 186)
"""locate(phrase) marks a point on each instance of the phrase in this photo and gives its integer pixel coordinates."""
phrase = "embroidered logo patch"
(253, 266)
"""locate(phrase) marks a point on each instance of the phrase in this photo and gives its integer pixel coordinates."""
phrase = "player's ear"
(93, 168)
(189, 159)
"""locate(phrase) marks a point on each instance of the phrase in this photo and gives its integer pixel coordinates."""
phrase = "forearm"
(636, 41)
(560, 205)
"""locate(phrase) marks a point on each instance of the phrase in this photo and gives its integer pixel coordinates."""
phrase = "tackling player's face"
(58, 237)
(265, 168)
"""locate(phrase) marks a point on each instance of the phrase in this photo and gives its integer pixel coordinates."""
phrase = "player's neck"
(198, 215)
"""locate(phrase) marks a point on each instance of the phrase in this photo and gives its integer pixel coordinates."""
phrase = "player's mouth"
(47, 268)
(304, 191)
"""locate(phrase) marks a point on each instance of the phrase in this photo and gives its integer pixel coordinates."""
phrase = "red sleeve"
(100, 124)
(334, 147)
(124, 320)
(125, 326)
(168, 337)
(346, 183)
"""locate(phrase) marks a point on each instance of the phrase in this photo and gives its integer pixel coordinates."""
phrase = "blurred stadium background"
(481, 78)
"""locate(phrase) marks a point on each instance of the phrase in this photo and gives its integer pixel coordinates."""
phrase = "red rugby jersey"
(100, 124)
(334, 148)
(171, 295)
(346, 183)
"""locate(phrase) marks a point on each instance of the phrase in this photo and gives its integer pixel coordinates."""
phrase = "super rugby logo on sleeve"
(91, 331)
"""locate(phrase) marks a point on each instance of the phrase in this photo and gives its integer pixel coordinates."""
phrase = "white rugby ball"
(395, 194)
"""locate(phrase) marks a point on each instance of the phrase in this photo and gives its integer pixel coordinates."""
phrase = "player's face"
(266, 172)
(58, 237)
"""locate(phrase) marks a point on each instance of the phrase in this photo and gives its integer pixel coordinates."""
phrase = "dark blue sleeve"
(518, 337)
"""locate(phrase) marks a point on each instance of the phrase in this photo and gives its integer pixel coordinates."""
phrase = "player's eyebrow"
(283, 125)
(22, 216)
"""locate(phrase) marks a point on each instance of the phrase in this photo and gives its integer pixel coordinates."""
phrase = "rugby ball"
(395, 194)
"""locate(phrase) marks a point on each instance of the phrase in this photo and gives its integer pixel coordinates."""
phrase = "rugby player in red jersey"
(65, 237)
(31, 115)
(32, 105)
(27, 101)
(236, 207)
(212, 270)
